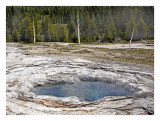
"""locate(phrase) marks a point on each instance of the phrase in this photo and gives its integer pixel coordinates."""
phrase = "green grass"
(138, 56)
(64, 49)
(83, 51)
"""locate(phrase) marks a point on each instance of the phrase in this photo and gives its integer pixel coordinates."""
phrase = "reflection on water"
(84, 90)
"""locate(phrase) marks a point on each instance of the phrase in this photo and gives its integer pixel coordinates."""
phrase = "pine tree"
(74, 37)
(38, 27)
(71, 28)
(142, 29)
(8, 34)
(99, 24)
(15, 35)
(92, 31)
(85, 24)
(29, 34)
(51, 32)
(45, 26)
(110, 35)
(129, 27)
(113, 30)
(25, 28)
(62, 34)
(110, 31)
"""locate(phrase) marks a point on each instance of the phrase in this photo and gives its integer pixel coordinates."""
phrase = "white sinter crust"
(26, 71)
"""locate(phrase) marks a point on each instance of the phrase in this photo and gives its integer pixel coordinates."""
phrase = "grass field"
(134, 55)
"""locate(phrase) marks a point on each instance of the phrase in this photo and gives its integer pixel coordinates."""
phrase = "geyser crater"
(85, 90)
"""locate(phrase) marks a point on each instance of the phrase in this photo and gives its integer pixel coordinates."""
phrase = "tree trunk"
(131, 38)
(34, 32)
(78, 27)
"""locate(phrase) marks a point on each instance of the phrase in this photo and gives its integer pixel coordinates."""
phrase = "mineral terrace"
(26, 71)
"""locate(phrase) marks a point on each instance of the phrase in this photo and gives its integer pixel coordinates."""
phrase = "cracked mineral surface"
(25, 71)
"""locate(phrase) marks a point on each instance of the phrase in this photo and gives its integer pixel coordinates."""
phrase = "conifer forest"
(88, 23)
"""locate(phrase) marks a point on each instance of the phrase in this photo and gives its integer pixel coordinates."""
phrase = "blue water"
(84, 90)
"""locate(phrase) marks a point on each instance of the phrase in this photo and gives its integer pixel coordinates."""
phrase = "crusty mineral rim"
(26, 71)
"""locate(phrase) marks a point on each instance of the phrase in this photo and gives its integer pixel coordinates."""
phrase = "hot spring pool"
(84, 90)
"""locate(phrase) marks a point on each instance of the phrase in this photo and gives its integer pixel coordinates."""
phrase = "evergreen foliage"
(57, 23)
(15, 35)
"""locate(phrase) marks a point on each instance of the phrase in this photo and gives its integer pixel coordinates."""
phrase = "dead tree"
(78, 24)
(34, 34)
(131, 38)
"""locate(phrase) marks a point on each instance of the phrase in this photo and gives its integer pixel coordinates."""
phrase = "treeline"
(59, 24)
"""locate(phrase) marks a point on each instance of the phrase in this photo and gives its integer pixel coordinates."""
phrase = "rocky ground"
(29, 66)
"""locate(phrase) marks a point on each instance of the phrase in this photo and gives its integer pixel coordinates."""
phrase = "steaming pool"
(84, 90)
